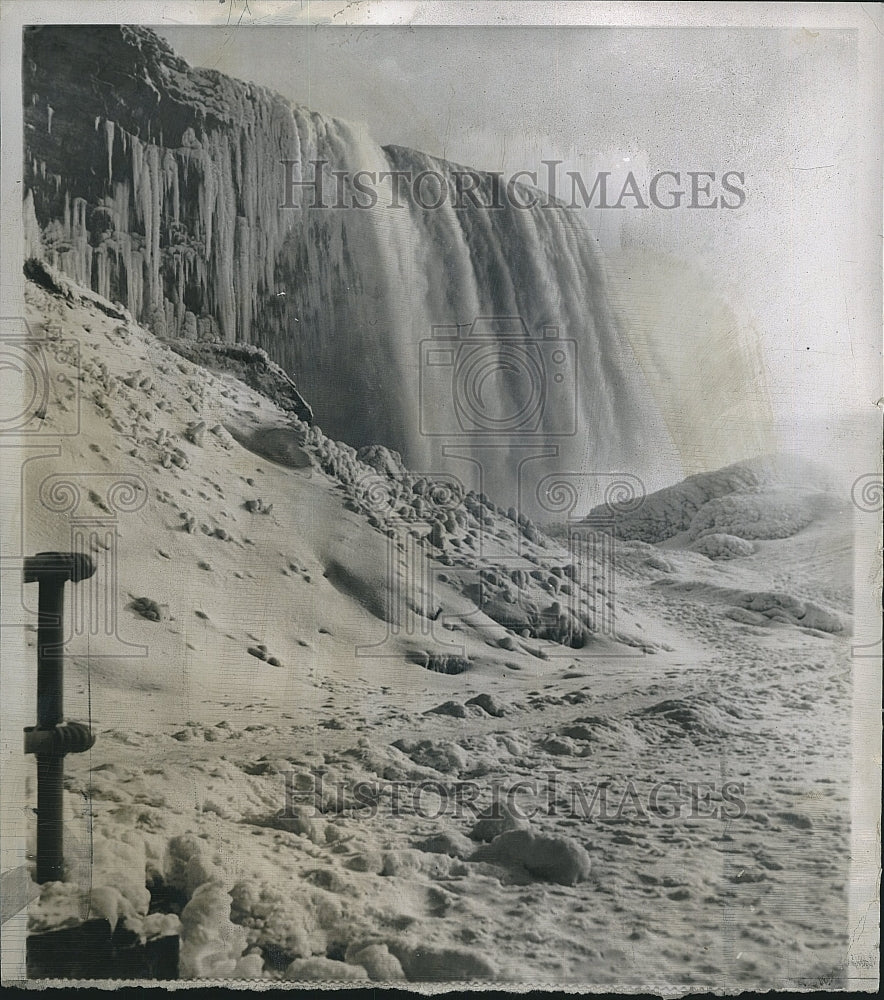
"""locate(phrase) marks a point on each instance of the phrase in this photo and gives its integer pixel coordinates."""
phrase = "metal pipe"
(50, 818)
(50, 646)
(49, 741)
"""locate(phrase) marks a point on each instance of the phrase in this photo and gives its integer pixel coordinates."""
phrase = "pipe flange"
(65, 738)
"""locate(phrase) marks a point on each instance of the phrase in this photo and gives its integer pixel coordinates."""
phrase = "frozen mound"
(496, 820)
(789, 610)
(287, 929)
(697, 719)
(551, 859)
(212, 947)
(48, 277)
(283, 445)
(536, 603)
(426, 963)
(448, 842)
(604, 732)
(440, 663)
(672, 510)
(249, 364)
(377, 961)
(752, 607)
(190, 863)
(324, 970)
(772, 514)
(448, 758)
(720, 546)
(114, 890)
(383, 459)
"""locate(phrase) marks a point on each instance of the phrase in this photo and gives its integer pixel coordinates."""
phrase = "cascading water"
(170, 202)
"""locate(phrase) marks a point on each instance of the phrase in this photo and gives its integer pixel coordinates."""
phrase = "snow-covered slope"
(252, 566)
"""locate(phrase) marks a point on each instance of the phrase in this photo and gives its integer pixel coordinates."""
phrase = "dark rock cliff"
(154, 183)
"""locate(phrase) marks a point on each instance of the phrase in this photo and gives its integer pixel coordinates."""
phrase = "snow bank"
(324, 970)
(717, 545)
(211, 946)
(757, 607)
(771, 514)
(764, 497)
(553, 859)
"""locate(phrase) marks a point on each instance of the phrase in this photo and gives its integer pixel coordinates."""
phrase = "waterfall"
(421, 326)
(365, 288)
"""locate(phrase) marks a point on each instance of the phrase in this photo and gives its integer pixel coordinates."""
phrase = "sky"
(485, 95)
(750, 310)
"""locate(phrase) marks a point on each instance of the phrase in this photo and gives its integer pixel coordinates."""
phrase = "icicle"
(32, 236)
(109, 132)
(136, 177)
(170, 183)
